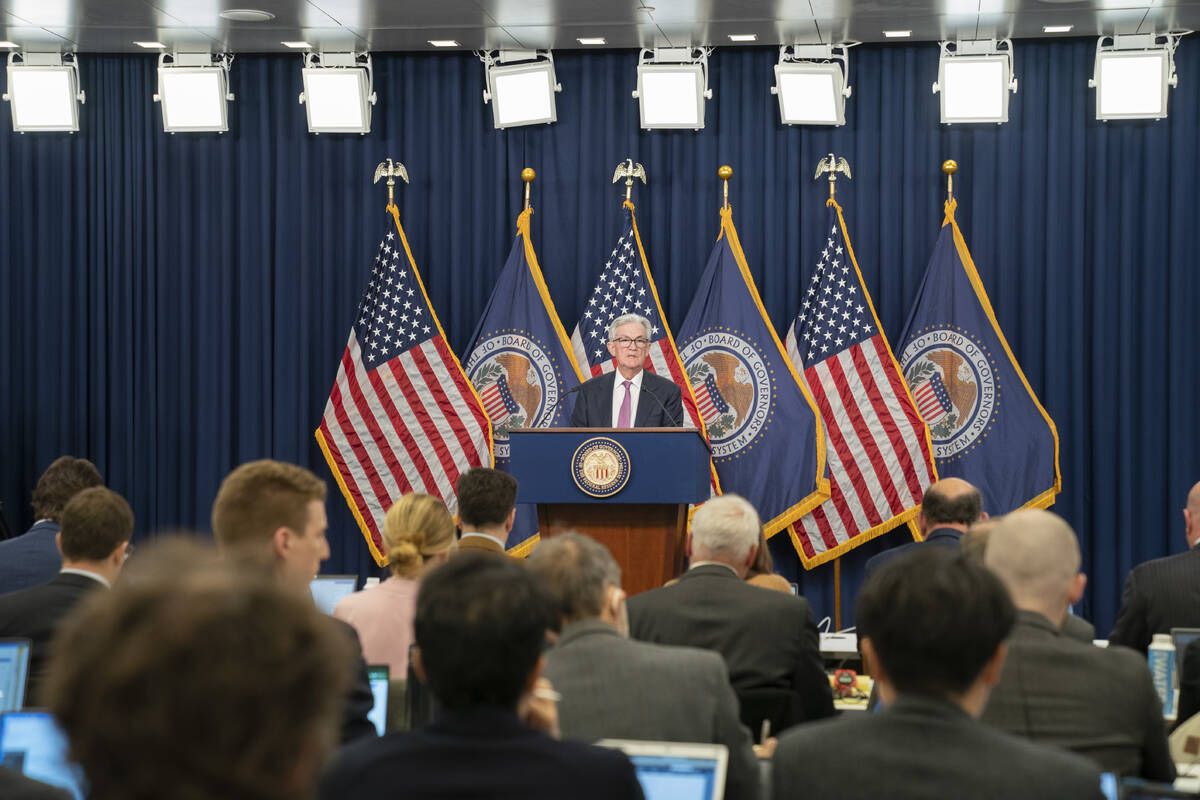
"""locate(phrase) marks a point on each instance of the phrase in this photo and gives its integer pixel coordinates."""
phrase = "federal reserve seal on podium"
(600, 467)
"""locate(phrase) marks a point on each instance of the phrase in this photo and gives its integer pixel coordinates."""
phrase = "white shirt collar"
(93, 575)
(713, 563)
(465, 534)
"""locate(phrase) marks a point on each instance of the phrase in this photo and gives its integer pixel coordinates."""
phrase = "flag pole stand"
(837, 594)
(949, 166)
(725, 173)
(527, 175)
(391, 171)
(628, 170)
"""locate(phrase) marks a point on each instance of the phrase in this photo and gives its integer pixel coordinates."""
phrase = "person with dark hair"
(948, 508)
(32, 558)
(272, 511)
(931, 627)
(480, 627)
(197, 678)
(487, 507)
(613, 687)
(97, 525)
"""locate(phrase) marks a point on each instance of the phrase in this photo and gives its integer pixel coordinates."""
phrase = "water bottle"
(1162, 666)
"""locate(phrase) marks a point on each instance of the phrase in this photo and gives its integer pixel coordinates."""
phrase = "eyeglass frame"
(624, 341)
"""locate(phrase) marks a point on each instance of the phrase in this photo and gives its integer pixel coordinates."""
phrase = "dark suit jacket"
(938, 537)
(1097, 702)
(767, 638)
(481, 753)
(594, 405)
(618, 688)
(359, 700)
(1189, 682)
(30, 559)
(36, 613)
(15, 786)
(1159, 595)
(921, 748)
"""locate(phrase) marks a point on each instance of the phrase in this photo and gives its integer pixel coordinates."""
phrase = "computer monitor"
(378, 677)
(1181, 638)
(14, 673)
(676, 770)
(327, 590)
(32, 743)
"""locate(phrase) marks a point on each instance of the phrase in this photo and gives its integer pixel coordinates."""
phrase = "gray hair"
(576, 572)
(725, 529)
(625, 319)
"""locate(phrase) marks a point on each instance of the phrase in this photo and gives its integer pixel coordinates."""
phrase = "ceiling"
(112, 26)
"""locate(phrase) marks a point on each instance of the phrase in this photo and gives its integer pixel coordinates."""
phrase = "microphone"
(669, 415)
(554, 408)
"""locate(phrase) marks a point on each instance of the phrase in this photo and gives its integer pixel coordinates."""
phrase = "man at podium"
(629, 396)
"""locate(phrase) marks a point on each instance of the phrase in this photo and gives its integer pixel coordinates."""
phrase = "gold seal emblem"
(600, 467)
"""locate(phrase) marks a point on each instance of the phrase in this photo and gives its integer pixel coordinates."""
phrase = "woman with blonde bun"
(418, 533)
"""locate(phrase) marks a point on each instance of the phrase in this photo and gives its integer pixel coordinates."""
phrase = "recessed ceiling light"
(246, 15)
(897, 34)
(592, 40)
(150, 45)
(743, 37)
(297, 45)
(443, 43)
(9, 44)
(1056, 28)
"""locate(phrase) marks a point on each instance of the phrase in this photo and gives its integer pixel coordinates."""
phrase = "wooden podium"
(644, 524)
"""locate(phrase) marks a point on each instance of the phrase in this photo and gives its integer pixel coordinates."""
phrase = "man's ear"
(512, 518)
(689, 545)
(995, 666)
(418, 665)
(750, 558)
(1077, 586)
(534, 674)
(58, 541)
(281, 541)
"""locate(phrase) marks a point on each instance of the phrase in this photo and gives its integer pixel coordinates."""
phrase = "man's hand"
(767, 749)
(539, 708)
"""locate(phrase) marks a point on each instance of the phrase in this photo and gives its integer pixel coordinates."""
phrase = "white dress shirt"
(635, 391)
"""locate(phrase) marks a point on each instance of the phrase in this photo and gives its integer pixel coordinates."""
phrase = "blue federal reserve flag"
(767, 441)
(520, 362)
(986, 424)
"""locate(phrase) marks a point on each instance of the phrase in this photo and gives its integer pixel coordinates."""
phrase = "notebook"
(676, 770)
(14, 673)
(32, 743)
(378, 677)
(327, 590)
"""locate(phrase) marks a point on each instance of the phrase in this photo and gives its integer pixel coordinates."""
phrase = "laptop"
(676, 770)
(14, 673)
(1181, 638)
(32, 743)
(327, 590)
(378, 678)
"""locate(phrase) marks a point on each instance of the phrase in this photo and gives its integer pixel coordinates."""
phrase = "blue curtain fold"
(174, 305)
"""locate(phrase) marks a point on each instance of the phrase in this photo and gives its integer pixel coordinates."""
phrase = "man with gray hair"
(629, 396)
(767, 638)
(615, 688)
(1097, 702)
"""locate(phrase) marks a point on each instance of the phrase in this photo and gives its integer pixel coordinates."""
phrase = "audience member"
(198, 679)
(97, 525)
(487, 507)
(32, 558)
(615, 688)
(276, 511)
(418, 533)
(762, 571)
(480, 626)
(768, 639)
(1094, 701)
(948, 508)
(932, 626)
(1163, 593)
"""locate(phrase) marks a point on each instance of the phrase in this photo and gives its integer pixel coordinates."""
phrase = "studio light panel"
(671, 96)
(810, 94)
(336, 101)
(193, 99)
(43, 98)
(522, 94)
(974, 89)
(1132, 85)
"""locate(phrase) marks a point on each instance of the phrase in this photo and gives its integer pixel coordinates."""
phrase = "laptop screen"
(327, 590)
(32, 743)
(1181, 638)
(675, 770)
(378, 676)
(14, 671)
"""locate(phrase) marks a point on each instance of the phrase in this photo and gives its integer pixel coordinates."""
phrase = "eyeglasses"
(625, 341)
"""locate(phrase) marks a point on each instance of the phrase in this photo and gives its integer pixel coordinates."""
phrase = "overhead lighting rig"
(339, 92)
(1134, 75)
(672, 85)
(812, 83)
(520, 86)
(193, 89)
(43, 91)
(975, 78)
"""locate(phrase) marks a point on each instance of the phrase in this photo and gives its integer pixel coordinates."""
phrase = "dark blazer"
(922, 748)
(1159, 595)
(1097, 702)
(15, 786)
(938, 537)
(767, 638)
(359, 700)
(594, 405)
(30, 559)
(1189, 682)
(481, 753)
(36, 613)
(617, 688)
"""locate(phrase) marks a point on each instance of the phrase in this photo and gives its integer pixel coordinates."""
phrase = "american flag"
(402, 416)
(880, 460)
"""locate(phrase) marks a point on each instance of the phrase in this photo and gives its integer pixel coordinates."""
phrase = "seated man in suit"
(767, 638)
(269, 510)
(32, 558)
(1094, 701)
(97, 525)
(613, 687)
(629, 396)
(932, 627)
(487, 508)
(199, 678)
(480, 628)
(1163, 593)
(948, 508)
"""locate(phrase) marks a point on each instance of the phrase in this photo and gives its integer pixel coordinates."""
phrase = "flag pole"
(837, 594)
(628, 170)
(725, 173)
(527, 175)
(833, 166)
(391, 171)
(949, 166)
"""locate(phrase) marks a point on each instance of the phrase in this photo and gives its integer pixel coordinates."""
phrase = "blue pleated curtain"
(173, 305)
